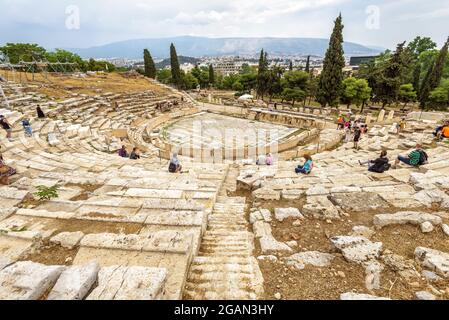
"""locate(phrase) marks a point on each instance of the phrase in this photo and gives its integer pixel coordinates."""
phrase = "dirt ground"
(61, 86)
(342, 276)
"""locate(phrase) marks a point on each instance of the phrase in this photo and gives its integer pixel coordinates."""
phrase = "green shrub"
(47, 193)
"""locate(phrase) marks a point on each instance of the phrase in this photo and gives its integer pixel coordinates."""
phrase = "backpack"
(422, 157)
(172, 167)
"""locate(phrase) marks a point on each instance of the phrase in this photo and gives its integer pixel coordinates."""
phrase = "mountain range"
(203, 46)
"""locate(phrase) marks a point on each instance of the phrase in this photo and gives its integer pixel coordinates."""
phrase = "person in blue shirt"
(27, 127)
(307, 167)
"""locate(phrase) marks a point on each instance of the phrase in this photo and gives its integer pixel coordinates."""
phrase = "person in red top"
(340, 123)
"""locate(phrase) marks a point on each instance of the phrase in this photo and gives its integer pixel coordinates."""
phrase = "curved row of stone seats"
(145, 204)
(338, 179)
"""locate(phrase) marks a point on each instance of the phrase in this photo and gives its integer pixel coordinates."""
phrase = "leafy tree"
(237, 86)
(416, 48)
(312, 88)
(434, 75)
(23, 52)
(332, 76)
(247, 69)
(407, 94)
(439, 98)
(355, 91)
(386, 87)
(249, 81)
(189, 81)
(150, 68)
(175, 69)
(274, 86)
(164, 76)
(196, 72)
(295, 78)
(293, 95)
(420, 45)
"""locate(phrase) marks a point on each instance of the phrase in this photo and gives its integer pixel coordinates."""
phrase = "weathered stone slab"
(314, 258)
(357, 249)
(261, 229)
(154, 193)
(171, 204)
(129, 283)
(45, 214)
(176, 218)
(27, 280)
(359, 202)
(320, 207)
(292, 194)
(68, 240)
(360, 296)
(434, 260)
(164, 241)
(285, 213)
(13, 193)
(75, 282)
(269, 244)
(4, 262)
(6, 213)
(411, 217)
(266, 194)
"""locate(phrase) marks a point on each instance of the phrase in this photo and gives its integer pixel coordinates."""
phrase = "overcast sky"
(53, 23)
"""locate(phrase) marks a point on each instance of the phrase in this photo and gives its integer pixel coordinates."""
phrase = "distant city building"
(227, 67)
(187, 67)
(357, 61)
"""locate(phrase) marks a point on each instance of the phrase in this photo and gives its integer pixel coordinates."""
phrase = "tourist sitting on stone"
(175, 165)
(269, 159)
(261, 160)
(122, 152)
(40, 113)
(134, 154)
(27, 127)
(5, 171)
(6, 126)
(442, 131)
(307, 167)
(415, 158)
(357, 134)
(379, 165)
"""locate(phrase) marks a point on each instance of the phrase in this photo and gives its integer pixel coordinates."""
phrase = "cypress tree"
(332, 76)
(434, 75)
(211, 75)
(175, 69)
(150, 68)
(387, 89)
(262, 76)
(290, 66)
(307, 65)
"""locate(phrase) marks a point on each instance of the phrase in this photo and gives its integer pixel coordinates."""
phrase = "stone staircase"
(225, 268)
